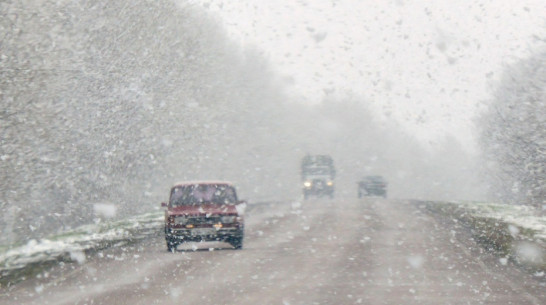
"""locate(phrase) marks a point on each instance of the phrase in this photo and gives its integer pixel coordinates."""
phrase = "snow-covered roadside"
(514, 232)
(519, 216)
(518, 222)
(72, 245)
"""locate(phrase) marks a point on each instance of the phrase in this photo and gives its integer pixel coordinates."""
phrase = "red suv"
(204, 211)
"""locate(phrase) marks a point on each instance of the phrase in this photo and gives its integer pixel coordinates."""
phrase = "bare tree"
(514, 133)
(102, 100)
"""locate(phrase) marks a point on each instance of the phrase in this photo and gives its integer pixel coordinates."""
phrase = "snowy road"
(370, 251)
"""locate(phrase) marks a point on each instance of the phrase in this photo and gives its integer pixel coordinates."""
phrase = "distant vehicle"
(204, 211)
(372, 186)
(317, 174)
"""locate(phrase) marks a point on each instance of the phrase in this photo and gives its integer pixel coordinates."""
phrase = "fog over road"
(341, 251)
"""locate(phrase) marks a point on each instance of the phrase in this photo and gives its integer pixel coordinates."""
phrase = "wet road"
(369, 251)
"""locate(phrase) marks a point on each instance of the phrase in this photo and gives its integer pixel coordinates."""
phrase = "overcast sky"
(429, 65)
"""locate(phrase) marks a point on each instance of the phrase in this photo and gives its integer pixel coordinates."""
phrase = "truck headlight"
(227, 219)
(307, 183)
(330, 183)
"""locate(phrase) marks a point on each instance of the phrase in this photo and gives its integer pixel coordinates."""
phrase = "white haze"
(113, 102)
(428, 65)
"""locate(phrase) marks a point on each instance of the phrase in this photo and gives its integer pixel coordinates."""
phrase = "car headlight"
(180, 220)
(307, 183)
(227, 219)
(330, 183)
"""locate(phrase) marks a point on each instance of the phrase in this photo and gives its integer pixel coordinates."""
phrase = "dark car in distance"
(372, 186)
(204, 211)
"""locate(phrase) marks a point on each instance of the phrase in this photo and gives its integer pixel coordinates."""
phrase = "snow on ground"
(74, 243)
(495, 223)
(519, 216)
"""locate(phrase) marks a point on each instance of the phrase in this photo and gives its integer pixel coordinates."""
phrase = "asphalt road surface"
(369, 251)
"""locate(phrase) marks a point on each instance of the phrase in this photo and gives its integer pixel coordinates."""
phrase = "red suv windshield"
(202, 193)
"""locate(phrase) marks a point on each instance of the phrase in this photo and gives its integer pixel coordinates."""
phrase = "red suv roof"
(182, 183)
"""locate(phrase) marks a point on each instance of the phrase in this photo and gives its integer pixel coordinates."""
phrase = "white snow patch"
(241, 208)
(416, 261)
(365, 239)
(39, 288)
(78, 256)
(529, 253)
(166, 142)
(175, 293)
(106, 210)
(514, 231)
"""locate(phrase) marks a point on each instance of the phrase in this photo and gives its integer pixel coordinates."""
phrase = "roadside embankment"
(512, 232)
(21, 261)
(18, 262)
